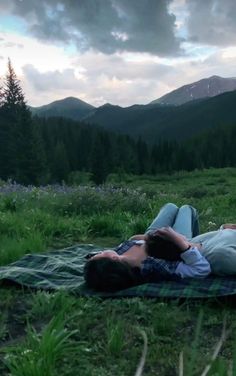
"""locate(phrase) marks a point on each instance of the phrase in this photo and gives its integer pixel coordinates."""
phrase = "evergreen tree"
(99, 160)
(85, 142)
(143, 157)
(125, 154)
(9, 109)
(13, 96)
(60, 166)
(4, 140)
(22, 152)
(1, 95)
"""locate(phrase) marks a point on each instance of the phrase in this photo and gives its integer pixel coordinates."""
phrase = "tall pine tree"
(60, 164)
(23, 152)
(99, 159)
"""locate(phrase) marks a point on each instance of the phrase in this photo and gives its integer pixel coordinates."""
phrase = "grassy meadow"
(46, 334)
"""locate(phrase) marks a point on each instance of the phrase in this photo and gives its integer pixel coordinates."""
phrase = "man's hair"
(104, 274)
(161, 248)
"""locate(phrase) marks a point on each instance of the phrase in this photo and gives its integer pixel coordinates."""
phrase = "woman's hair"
(104, 274)
(161, 248)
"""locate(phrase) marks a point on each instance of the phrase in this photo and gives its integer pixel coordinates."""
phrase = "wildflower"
(211, 223)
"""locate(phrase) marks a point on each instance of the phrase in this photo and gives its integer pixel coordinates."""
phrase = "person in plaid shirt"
(140, 259)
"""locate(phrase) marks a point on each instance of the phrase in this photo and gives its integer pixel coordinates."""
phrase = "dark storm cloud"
(212, 22)
(104, 25)
(5, 5)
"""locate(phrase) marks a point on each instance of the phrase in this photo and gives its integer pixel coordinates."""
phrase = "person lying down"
(160, 254)
(170, 249)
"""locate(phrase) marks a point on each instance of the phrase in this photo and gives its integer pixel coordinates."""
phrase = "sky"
(122, 52)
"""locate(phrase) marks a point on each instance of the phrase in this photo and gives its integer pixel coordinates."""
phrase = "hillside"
(153, 122)
(70, 107)
(205, 88)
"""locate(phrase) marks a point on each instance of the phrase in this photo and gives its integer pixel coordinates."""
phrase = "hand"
(171, 232)
(167, 233)
(171, 235)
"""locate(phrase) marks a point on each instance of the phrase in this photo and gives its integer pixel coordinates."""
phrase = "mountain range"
(153, 122)
(70, 107)
(194, 108)
(205, 88)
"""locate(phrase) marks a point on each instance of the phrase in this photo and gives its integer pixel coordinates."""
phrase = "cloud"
(5, 5)
(114, 78)
(9, 44)
(12, 44)
(52, 80)
(220, 63)
(103, 25)
(121, 66)
(44, 87)
(24, 50)
(212, 22)
(120, 80)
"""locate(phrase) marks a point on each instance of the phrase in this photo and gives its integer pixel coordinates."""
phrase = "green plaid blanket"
(63, 270)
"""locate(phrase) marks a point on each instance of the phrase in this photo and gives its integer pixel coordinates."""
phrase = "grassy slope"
(42, 333)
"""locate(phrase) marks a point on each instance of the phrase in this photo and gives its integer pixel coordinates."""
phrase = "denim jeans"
(184, 220)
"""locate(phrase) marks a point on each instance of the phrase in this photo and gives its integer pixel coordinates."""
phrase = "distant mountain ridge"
(154, 121)
(205, 88)
(70, 107)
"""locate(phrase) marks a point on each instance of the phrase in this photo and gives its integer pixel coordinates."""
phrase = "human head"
(161, 248)
(107, 274)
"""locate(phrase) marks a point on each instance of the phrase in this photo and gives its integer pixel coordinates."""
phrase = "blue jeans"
(184, 220)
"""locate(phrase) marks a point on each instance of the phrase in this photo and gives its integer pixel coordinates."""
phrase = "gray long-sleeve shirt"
(219, 248)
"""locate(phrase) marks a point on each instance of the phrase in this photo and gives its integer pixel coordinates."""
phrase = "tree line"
(36, 150)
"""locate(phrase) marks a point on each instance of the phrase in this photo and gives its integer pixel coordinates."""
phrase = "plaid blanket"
(63, 270)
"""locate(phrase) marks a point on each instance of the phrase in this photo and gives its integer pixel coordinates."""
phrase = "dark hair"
(104, 274)
(161, 248)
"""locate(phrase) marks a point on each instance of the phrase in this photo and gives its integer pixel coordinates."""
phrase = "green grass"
(45, 334)
(41, 351)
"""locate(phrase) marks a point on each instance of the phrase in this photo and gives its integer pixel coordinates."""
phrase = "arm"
(171, 235)
(194, 265)
(138, 237)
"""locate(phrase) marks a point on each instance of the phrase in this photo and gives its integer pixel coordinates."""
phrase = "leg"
(195, 221)
(186, 222)
(165, 217)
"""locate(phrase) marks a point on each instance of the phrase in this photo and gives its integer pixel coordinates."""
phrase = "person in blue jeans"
(140, 260)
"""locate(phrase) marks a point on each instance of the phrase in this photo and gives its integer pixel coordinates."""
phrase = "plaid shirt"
(152, 269)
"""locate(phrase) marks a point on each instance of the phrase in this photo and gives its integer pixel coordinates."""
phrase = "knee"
(189, 207)
(170, 206)
(186, 206)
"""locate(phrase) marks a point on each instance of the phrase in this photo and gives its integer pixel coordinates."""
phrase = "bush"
(80, 177)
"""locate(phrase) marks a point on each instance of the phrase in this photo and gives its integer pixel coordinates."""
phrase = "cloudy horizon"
(117, 51)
